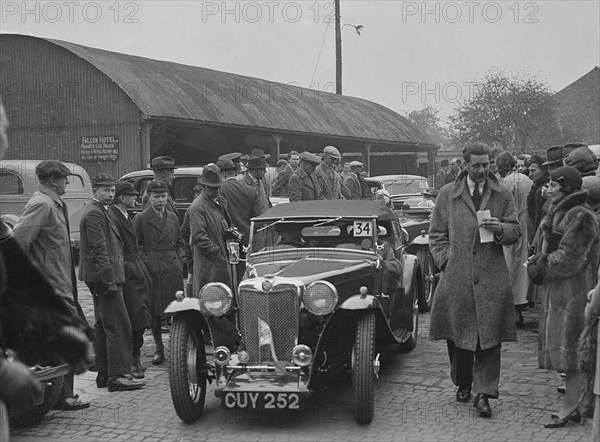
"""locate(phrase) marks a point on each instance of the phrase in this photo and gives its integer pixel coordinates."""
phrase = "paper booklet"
(484, 234)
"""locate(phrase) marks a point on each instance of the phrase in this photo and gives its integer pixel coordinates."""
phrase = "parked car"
(413, 202)
(186, 178)
(310, 307)
(18, 182)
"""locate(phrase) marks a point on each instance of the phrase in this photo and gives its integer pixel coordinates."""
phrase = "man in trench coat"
(473, 303)
(159, 237)
(43, 232)
(304, 184)
(137, 287)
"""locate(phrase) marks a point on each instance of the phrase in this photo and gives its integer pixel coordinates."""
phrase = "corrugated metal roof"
(164, 89)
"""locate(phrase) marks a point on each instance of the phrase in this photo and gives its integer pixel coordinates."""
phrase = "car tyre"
(411, 342)
(187, 369)
(363, 369)
(428, 281)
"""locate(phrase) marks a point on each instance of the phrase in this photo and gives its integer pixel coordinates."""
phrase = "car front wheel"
(363, 369)
(187, 370)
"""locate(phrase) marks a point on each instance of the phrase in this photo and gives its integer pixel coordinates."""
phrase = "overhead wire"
(319, 57)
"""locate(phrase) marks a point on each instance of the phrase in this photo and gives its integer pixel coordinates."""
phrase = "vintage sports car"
(413, 201)
(325, 283)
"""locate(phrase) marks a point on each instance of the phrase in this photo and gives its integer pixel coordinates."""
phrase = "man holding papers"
(473, 303)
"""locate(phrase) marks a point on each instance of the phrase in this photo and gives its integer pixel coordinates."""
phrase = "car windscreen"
(404, 186)
(355, 234)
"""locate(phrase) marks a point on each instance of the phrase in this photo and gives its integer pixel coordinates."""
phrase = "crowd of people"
(511, 231)
(507, 231)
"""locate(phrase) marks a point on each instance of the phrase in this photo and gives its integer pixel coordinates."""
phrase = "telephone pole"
(338, 49)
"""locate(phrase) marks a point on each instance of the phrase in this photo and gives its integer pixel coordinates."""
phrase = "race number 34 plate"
(255, 400)
(361, 228)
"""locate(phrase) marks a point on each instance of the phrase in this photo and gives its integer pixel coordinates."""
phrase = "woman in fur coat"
(567, 269)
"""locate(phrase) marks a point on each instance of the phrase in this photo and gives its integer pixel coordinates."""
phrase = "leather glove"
(17, 384)
(74, 347)
(537, 269)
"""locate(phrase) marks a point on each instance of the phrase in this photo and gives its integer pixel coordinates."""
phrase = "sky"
(408, 55)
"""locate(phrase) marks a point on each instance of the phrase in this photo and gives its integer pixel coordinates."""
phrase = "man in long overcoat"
(137, 287)
(209, 221)
(473, 304)
(159, 237)
(281, 186)
(43, 232)
(304, 185)
(101, 267)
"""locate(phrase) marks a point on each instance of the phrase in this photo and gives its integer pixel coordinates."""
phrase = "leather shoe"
(71, 404)
(482, 405)
(122, 383)
(561, 389)
(463, 394)
(101, 380)
(557, 422)
(159, 357)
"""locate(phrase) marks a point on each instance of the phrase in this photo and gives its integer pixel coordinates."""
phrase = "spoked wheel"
(428, 281)
(411, 342)
(187, 370)
(363, 369)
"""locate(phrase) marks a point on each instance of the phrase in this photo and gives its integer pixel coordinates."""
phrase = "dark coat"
(330, 181)
(31, 312)
(101, 260)
(170, 206)
(304, 187)
(243, 204)
(473, 300)
(138, 282)
(535, 202)
(208, 223)
(162, 251)
(281, 186)
(353, 188)
(571, 273)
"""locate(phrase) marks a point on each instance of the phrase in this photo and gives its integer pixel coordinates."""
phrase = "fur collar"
(576, 198)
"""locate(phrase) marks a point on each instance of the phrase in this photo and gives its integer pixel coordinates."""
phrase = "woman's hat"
(567, 176)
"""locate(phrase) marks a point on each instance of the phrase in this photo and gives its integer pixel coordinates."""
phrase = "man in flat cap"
(328, 175)
(304, 185)
(43, 231)
(137, 287)
(101, 267)
(159, 237)
(164, 172)
(352, 187)
(281, 186)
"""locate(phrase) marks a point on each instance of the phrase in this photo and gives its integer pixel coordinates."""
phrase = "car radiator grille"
(279, 310)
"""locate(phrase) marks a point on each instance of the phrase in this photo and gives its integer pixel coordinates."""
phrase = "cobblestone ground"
(414, 401)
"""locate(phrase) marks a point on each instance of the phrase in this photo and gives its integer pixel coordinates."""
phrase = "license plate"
(256, 400)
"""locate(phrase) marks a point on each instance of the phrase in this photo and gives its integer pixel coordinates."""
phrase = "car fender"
(420, 240)
(360, 302)
(183, 305)
(10, 219)
(411, 265)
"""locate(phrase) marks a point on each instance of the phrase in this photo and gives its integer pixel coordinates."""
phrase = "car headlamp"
(215, 299)
(320, 297)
